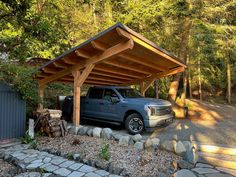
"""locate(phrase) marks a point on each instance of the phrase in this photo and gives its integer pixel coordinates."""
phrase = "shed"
(12, 113)
(116, 56)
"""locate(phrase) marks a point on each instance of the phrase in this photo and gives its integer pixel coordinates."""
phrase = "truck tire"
(134, 124)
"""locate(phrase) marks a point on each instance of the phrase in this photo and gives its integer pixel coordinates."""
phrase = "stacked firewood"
(50, 123)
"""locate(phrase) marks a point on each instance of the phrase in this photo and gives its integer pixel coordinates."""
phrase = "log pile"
(49, 123)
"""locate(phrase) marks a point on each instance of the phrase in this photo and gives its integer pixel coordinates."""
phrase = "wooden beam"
(99, 82)
(125, 66)
(155, 50)
(76, 105)
(49, 70)
(60, 65)
(102, 47)
(114, 71)
(84, 75)
(156, 76)
(83, 54)
(68, 61)
(92, 77)
(110, 52)
(115, 76)
(145, 85)
(123, 33)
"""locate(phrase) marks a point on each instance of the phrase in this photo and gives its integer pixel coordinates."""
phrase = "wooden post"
(156, 89)
(41, 95)
(142, 91)
(76, 108)
(78, 82)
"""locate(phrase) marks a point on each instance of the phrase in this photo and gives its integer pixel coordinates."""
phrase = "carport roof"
(120, 57)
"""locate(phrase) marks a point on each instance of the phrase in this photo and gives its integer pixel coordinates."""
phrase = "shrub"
(21, 80)
(104, 153)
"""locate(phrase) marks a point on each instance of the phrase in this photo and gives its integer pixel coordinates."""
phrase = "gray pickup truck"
(121, 105)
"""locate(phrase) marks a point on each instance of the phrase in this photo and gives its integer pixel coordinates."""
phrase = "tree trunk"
(156, 88)
(190, 83)
(183, 51)
(228, 81)
(108, 11)
(199, 80)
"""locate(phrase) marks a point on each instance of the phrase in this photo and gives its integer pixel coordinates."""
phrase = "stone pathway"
(205, 170)
(35, 163)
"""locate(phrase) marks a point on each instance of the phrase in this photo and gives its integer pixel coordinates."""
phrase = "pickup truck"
(121, 105)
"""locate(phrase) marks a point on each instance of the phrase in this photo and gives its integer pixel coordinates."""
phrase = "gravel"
(127, 159)
(5, 167)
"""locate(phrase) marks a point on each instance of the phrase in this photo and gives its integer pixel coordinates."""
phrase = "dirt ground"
(208, 123)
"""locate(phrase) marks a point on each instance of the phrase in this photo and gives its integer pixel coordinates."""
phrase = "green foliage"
(26, 139)
(104, 152)
(69, 156)
(20, 78)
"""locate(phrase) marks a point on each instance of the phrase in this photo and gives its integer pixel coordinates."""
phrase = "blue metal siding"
(12, 113)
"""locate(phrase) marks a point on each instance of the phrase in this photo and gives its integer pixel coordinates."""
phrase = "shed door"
(12, 115)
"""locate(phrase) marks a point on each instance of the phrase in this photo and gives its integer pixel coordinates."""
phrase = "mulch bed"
(133, 162)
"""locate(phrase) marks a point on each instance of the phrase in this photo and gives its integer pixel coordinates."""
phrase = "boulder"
(90, 132)
(106, 133)
(97, 132)
(180, 149)
(116, 136)
(188, 145)
(168, 145)
(175, 137)
(152, 143)
(184, 173)
(137, 137)
(183, 164)
(82, 130)
(191, 156)
(138, 145)
(125, 140)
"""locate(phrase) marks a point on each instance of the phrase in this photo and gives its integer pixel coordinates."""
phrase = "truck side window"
(95, 93)
(108, 94)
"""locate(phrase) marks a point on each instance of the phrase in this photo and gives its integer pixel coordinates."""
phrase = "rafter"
(115, 76)
(83, 54)
(110, 52)
(125, 66)
(49, 70)
(102, 47)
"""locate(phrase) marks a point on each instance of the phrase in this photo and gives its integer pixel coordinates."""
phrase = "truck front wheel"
(134, 123)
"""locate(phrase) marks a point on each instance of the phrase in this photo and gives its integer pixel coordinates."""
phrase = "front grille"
(161, 111)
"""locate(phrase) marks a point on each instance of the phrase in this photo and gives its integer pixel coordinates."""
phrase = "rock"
(76, 174)
(180, 149)
(175, 137)
(97, 132)
(227, 170)
(116, 136)
(188, 145)
(62, 172)
(138, 145)
(90, 132)
(91, 174)
(29, 174)
(191, 156)
(106, 133)
(86, 169)
(137, 137)
(153, 143)
(183, 164)
(203, 165)
(114, 169)
(202, 171)
(76, 166)
(82, 130)
(76, 156)
(168, 145)
(58, 160)
(218, 175)
(184, 173)
(102, 172)
(50, 167)
(66, 164)
(125, 140)
(33, 166)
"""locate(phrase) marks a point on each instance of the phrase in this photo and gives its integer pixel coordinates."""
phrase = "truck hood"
(148, 101)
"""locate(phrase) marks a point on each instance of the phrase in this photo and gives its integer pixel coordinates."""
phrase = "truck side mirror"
(115, 99)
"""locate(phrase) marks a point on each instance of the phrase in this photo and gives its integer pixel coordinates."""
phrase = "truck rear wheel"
(134, 123)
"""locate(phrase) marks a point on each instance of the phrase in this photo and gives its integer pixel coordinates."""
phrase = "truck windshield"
(128, 93)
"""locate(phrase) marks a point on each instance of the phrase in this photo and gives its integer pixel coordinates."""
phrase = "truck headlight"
(150, 110)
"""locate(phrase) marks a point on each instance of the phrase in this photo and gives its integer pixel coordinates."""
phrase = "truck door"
(109, 110)
(92, 103)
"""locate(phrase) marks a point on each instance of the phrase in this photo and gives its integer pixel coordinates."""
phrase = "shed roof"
(120, 55)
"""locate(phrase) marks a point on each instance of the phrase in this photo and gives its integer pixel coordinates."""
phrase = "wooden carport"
(116, 56)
